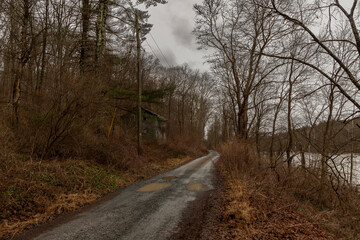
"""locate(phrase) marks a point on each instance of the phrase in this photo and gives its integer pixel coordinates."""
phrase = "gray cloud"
(172, 30)
(182, 29)
(170, 58)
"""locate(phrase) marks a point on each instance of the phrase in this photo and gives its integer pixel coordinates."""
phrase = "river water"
(338, 164)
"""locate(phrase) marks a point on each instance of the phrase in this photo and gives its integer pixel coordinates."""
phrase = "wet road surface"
(144, 211)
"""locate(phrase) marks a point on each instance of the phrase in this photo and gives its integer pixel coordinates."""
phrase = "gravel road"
(146, 210)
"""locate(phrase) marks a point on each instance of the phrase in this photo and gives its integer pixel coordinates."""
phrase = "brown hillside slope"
(34, 191)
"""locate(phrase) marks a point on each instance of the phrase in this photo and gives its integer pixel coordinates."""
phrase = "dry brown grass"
(238, 157)
(259, 206)
(62, 203)
(34, 191)
(59, 157)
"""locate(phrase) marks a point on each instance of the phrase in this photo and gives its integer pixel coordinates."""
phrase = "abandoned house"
(153, 125)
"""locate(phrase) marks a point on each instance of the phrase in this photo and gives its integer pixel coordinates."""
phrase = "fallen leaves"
(62, 203)
(32, 192)
(250, 214)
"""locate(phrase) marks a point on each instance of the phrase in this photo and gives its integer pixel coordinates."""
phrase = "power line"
(151, 49)
(160, 50)
(156, 46)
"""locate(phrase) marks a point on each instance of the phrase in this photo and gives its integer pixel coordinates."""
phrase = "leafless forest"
(68, 87)
(66, 65)
(283, 86)
(287, 74)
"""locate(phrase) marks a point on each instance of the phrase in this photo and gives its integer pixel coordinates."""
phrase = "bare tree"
(328, 41)
(24, 55)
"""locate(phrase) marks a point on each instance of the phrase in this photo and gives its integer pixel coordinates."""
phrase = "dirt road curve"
(146, 210)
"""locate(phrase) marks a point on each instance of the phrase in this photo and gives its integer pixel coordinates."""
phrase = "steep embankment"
(34, 191)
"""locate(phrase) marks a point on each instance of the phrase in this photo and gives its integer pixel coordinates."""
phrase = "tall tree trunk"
(138, 47)
(43, 51)
(271, 150)
(257, 130)
(10, 56)
(303, 160)
(84, 48)
(225, 125)
(289, 123)
(325, 145)
(168, 125)
(244, 117)
(101, 32)
(352, 152)
(277, 111)
(24, 55)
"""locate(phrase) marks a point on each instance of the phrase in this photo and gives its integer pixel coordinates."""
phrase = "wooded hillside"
(280, 103)
(68, 80)
(289, 78)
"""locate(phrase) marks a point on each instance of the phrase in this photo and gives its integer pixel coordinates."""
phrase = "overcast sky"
(172, 30)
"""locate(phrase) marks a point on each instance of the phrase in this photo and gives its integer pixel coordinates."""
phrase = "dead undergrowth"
(35, 191)
(58, 162)
(253, 214)
(258, 206)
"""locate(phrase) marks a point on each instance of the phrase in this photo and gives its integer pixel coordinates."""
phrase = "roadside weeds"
(251, 205)
(251, 213)
(33, 191)
(255, 206)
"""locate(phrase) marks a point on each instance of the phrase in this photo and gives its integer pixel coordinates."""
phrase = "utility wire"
(151, 49)
(160, 50)
(155, 44)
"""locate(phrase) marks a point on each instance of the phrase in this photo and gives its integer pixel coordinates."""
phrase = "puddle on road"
(197, 187)
(169, 178)
(154, 187)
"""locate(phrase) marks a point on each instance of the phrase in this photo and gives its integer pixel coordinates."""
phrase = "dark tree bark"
(85, 44)
(101, 32)
(22, 59)
(44, 45)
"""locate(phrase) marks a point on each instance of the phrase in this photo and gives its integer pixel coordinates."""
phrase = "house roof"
(153, 114)
(147, 111)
